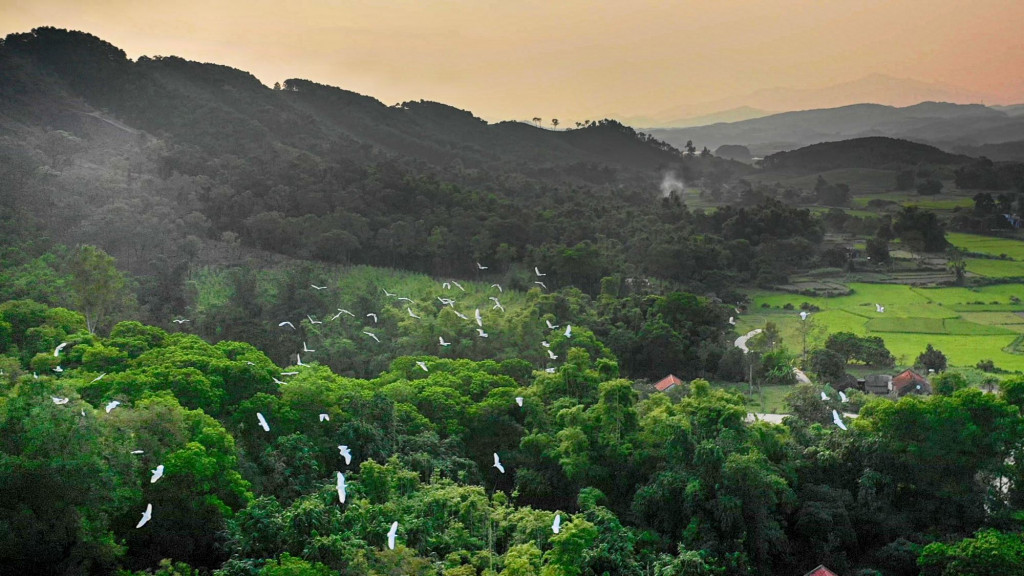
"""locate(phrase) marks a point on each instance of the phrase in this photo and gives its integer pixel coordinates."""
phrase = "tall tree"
(99, 288)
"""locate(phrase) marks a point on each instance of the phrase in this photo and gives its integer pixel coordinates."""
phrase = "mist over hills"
(952, 127)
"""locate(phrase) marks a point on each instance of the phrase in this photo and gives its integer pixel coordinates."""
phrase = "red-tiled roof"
(821, 571)
(907, 378)
(667, 382)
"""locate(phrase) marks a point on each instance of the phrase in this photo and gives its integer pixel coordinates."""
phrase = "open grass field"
(994, 246)
(966, 324)
(995, 268)
(767, 400)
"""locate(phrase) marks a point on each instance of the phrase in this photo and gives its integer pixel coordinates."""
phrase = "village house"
(667, 383)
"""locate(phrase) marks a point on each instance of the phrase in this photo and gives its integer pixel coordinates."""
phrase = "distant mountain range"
(960, 128)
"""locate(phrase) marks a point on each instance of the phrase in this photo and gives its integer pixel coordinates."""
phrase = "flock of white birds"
(344, 451)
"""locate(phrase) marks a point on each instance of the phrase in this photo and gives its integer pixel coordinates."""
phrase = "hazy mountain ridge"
(938, 123)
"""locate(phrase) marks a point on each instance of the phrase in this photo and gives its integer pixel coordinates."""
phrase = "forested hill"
(220, 110)
(874, 152)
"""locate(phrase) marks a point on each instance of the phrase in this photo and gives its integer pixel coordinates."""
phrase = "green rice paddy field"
(966, 324)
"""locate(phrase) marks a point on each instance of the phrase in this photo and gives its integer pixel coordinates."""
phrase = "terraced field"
(967, 324)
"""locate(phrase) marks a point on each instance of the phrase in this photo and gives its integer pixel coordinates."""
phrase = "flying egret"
(479, 318)
(341, 487)
(372, 335)
(372, 315)
(403, 299)
(440, 340)
(498, 286)
(157, 474)
(552, 355)
(838, 420)
(145, 516)
(263, 422)
(803, 314)
(568, 330)
(423, 365)
(460, 314)
(537, 271)
(343, 311)
(315, 287)
(556, 526)
(519, 400)
(842, 397)
(879, 308)
(549, 370)
(288, 373)
(59, 401)
(138, 451)
(111, 405)
(325, 417)
(824, 396)
(550, 325)
(411, 313)
(286, 323)
(732, 320)
(58, 369)
(446, 285)
(56, 351)
(545, 343)
(457, 285)
(542, 285)
(479, 267)
(498, 306)
(446, 301)
(298, 360)
(97, 379)
(180, 321)
(335, 317)
(276, 381)
(497, 463)
(346, 454)
(480, 332)
(311, 321)
(391, 535)
(306, 348)
(388, 294)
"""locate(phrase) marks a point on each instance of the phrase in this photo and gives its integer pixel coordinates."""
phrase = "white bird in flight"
(838, 420)
(97, 379)
(59, 401)
(556, 526)
(879, 308)
(842, 397)
(460, 314)
(402, 298)
(537, 272)
(497, 463)
(480, 332)
(371, 335)
(341, 487)
(325, 417)
(372, 315)
(391, 535)
(56, 351)
(803, 315)
(519, 400)
(823, 395)
(138, 451)
(58, 369)
(298, 360)
(288, 373)
(550, 325)
(457, 285)
(446, 285)
(479, 267)
(306, 348)
(440, 340)
(157, 474)
(111, 405)
(552, 355)
(345, 453)
(312, 321)
(446, 301)
(343, 311)
(542, 285)
(315, 287)
(423, 365)
(263, 422)
(479, 318)
(549, 370)
(545, 343)
(411, 313)
(568, 330)
(732, 320)
(276, 381)
(145, 516)
(180, 321)
(498, 286)
(386, 293)
(286, 323)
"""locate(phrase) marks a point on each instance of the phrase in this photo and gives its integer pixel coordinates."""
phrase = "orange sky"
(573, 59)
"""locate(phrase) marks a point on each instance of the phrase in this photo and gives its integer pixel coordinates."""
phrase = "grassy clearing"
(988, 245)
(967, 324)
(767, 400)
(995, 268)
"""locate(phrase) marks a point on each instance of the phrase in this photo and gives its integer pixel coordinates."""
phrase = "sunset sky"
(574, 59)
